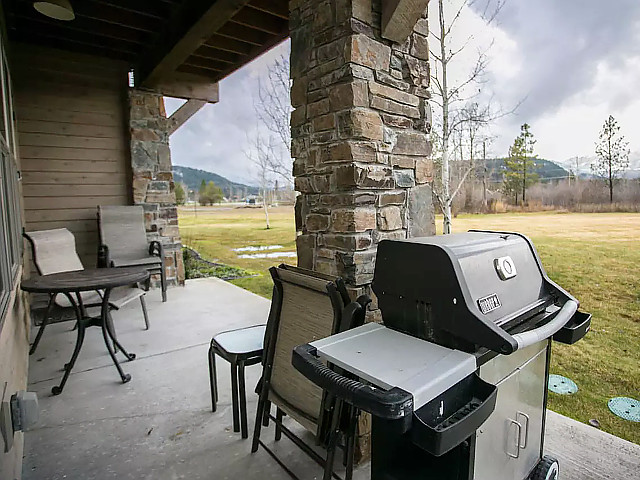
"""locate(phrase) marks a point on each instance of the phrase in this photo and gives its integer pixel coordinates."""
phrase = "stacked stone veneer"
(153, 186)
(359, 137)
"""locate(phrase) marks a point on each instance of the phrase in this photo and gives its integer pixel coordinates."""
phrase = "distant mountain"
(584, 166)
(546, 169)
(192, 178)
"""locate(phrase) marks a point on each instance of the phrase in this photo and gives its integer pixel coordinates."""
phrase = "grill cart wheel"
(547, 469)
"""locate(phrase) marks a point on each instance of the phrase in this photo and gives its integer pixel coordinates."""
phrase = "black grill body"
(448, 288)
(482, 293)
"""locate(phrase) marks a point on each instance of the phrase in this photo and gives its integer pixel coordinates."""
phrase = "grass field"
(594, 256)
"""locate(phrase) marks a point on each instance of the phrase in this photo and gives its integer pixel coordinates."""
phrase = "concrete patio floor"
(160, 425)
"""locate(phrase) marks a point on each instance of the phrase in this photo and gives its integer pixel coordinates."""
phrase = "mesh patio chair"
(123, 241)
(54, 251)
(306, 306)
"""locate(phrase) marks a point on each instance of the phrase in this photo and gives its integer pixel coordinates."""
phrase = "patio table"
(95, 279)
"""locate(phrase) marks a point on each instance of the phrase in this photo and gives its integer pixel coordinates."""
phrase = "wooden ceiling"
(159, 38)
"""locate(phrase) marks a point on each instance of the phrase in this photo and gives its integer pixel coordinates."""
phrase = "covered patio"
(160, 425)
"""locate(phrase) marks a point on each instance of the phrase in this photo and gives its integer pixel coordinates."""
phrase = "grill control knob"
(505, 267)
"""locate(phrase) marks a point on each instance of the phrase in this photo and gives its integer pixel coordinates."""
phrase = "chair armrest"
(103, 257)
(156, 248)
(354, 313)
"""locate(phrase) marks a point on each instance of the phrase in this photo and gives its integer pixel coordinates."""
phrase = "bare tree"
(451, 98)
(273, 111)
(260, 153)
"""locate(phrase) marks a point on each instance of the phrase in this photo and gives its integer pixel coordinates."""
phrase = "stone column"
(359, 136)
(152, 184)
(360, 140)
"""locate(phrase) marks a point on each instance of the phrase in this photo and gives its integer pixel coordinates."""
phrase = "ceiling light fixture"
(58, 9)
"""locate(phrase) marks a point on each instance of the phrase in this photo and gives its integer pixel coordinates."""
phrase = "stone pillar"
(152, 184)
(360, 140)
(359, 136)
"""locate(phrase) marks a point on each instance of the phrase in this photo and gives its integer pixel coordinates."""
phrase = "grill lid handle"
(547, 330)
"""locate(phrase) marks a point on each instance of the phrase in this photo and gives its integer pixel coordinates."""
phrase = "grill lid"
(463, 289)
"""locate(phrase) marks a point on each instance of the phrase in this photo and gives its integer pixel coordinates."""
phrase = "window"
(10, 213)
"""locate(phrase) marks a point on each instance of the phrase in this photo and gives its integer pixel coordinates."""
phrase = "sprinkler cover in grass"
(562, 385)
(625, 407)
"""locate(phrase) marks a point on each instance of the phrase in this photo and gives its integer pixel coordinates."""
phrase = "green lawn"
(594, 256)
(216, 231)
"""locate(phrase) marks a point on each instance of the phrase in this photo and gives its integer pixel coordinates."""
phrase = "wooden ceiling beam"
(213, 76)
(95, 11)
(188, 86)
(259, 21)
(148, 8)
(243, 34)
(400, 16)
(73, 45)
(207, 63)
(60, 31)
(84, 25)
(184, 113)
(257, 51)
(168, 60)
(228, 44)
(206, 51)
(277, 9)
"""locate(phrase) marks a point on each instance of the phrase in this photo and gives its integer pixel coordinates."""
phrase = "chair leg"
(213, 379)
(333, 440)
(279, 417)
(243, 401)
(234, 397)
(267, 412)
(260, 414)
(143, 303)
(43, 325)
(163, 282)
(352, 434)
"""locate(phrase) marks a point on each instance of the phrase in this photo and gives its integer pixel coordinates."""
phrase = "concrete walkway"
(159, 426)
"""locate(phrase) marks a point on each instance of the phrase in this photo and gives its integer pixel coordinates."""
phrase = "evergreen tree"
(613, 154)
(180, 195)
(520, 166)
(202, 194)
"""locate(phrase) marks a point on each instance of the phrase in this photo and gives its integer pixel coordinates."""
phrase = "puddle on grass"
(257, 249)
(269, 255)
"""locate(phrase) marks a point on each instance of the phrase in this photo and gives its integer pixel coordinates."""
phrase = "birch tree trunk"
(446, 172)
(265, 204)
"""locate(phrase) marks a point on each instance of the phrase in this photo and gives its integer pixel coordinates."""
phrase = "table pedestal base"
(105, 322)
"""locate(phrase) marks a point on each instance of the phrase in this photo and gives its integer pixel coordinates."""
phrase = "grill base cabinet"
(508, 445)
(456, 379)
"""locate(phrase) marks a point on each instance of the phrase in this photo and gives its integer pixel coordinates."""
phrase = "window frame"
(11, 245)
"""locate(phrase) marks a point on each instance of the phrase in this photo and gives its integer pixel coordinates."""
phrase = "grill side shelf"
(455, 415)
(575, 329)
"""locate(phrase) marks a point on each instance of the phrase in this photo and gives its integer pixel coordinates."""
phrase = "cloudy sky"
(568, 64)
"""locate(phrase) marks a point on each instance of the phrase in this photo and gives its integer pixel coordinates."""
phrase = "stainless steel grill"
(456, 378)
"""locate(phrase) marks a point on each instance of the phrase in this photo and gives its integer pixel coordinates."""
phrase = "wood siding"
(73, 140)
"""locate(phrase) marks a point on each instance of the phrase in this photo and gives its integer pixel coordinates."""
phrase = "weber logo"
(489, 303)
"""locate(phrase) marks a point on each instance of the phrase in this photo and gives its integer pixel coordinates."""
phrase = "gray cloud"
(561, 43)
(215, 138)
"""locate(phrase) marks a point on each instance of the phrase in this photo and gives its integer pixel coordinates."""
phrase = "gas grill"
(456, 378)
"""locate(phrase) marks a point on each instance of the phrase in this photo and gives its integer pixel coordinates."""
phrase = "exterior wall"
(14, 363)
(153, 186)
(72, 134)
(14, 349)
(360, 141)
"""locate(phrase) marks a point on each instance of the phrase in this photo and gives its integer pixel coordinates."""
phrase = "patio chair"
(123, 241)
(54, 251)
(306, 306)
